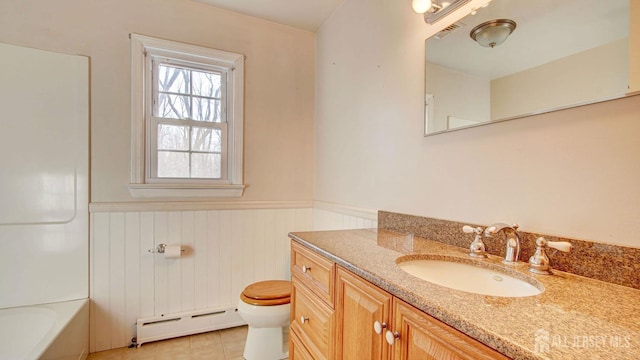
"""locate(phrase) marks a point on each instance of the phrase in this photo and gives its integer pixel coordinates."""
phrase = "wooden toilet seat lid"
(266, 293)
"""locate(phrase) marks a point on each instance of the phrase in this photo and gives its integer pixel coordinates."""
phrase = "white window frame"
(144, 183)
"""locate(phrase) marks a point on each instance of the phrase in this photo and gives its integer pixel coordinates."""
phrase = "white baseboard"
(186, 323)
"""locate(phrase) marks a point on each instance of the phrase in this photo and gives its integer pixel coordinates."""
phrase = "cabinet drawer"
(313, 321)
(297, 351)
(316, 272)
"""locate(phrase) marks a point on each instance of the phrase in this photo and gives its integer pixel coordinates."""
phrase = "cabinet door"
(423, 337)
(358, 306)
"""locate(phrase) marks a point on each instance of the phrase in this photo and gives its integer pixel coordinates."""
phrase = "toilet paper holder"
(160, 249)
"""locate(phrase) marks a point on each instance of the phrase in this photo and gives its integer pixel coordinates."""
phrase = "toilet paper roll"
(172, 251)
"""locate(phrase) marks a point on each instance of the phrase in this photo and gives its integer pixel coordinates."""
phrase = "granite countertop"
(574, 318)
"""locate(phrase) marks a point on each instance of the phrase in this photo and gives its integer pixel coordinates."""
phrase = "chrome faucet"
(539, 262)
(513, 241)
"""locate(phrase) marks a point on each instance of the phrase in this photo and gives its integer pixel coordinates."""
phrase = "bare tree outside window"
(191, 147)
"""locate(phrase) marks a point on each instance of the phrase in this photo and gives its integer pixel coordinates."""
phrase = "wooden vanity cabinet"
(312, 305)
(359, 305)
(348, 330)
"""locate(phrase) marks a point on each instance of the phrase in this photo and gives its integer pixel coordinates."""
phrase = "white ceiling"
(568, 26)
(302, 14)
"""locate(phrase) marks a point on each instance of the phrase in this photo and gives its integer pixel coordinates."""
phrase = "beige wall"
(634, 45)
(598, 73)
(573, 172)
(279, 73)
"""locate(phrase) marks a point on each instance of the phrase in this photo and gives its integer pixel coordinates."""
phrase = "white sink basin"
(467, 275)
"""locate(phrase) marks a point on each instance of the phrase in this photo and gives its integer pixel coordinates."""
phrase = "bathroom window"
(186, 120)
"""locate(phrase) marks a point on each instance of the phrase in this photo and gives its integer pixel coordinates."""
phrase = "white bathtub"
(57, 331)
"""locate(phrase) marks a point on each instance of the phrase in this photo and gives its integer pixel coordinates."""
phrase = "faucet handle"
(563, 246)
(472, 230)
(477, 248)
(539, 262)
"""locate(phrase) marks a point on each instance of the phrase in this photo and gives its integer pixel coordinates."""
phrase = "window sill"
(185, 191)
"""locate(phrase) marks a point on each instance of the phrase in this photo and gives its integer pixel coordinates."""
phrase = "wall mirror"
(561, 54)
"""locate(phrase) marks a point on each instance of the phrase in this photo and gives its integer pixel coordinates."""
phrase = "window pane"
(204, 139)
(173, 164)
(207, 110)
(207, 84)
(172, 106)
(172, 79)
(172, 137)
(206, 166)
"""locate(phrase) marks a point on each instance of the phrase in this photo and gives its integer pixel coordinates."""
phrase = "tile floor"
(227, 344)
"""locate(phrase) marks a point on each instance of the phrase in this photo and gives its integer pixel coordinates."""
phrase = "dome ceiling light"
(493, 32)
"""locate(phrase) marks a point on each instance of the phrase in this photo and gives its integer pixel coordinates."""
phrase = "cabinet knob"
(303, 319)
(306, 268)
(391, 336)
(378, 327)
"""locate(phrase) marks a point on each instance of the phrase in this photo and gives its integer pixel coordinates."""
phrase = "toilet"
(265, 306)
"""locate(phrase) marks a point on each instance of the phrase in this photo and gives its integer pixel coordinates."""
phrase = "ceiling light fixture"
(435, 10)
(421, 6)
(493, 32)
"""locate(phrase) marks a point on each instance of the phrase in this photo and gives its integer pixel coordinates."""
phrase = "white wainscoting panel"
(224, 251)
(330, 216)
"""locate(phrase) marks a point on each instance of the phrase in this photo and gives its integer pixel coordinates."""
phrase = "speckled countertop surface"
(574, 318)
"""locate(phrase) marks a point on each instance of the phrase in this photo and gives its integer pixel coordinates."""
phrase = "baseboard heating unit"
(187, 323)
